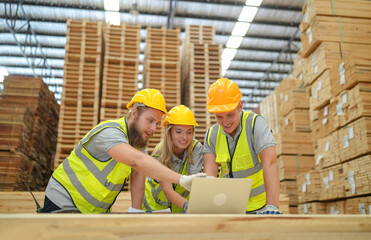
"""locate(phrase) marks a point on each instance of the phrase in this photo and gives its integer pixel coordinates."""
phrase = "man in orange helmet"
(92, 176)
(242, 144)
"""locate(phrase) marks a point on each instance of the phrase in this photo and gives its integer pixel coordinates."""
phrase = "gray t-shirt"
(262, 135)
(98, 147)
(197, 159)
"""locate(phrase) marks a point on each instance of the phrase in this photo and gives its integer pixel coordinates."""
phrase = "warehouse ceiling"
(33, 36)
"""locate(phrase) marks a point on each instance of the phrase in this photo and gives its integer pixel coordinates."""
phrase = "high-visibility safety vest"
(93, 184)
(154, 197)
(244, 163)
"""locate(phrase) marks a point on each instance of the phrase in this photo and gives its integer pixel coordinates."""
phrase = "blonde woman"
(180, 152)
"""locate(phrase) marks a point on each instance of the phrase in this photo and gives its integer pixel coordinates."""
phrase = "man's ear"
(134, 112)
(240, 106)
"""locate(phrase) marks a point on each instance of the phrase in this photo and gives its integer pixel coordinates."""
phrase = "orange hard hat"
(180, 115)
(149, 97)
(224, 96)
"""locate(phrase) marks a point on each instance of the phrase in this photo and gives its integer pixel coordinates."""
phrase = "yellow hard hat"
(224, 96)
(149, 97)
(180, 115)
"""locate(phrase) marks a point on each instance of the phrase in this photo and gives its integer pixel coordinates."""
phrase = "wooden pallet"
(120, 71)
(81, 84)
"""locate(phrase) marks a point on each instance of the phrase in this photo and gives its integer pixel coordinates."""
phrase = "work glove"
(269, 209)
(186, 181)
(185, 206)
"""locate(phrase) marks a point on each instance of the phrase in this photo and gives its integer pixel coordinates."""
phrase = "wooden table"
(183, 226)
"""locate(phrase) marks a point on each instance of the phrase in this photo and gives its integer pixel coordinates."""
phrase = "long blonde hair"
(165, 148)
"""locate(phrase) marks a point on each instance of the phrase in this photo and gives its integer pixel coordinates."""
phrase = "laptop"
(219, 195)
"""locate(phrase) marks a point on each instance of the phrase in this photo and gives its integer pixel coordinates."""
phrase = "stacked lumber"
(309, 186)
(335, 207)
(360, 205)
(162, 69)
(81, 84)
(335, 29)
(288, 107)
(335, 68)
(120, 71)
(312, 208)
(200, 68)
(357, 176)
(28, 136)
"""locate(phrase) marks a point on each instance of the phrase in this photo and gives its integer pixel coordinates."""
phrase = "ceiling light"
(111, 5)
(247, 14)
(240, 29)
(224, 71)
(113, 18)
(3, 73)
(253, 2)
(226, 64)
(234, 42)
(228, 53)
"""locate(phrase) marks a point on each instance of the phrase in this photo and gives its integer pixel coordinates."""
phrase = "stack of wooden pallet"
(120, 71)
(81, 83)
(162, 69)
(200, 68)
(28, 136)
(335, 68)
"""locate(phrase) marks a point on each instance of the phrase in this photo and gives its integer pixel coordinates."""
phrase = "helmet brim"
(222, 108)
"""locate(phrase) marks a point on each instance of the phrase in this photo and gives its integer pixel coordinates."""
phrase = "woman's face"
(182, 136)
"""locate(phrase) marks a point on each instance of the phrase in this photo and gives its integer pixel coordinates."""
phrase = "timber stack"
(334, 69)
(28, 133)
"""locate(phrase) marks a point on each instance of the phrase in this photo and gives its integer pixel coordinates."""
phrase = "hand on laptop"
(269, 209)
(186, 181)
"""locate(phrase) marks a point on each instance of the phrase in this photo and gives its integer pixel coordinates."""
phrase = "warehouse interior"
(304, 65)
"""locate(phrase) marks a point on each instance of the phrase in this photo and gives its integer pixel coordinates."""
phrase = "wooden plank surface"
(183, 226)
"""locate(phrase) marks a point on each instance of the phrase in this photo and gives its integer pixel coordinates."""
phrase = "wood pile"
(120, 71)
(162, 69)
(333, 70)
(28, 133)
(81, 84)
(335, 63)
(289, 105)
(200, 68)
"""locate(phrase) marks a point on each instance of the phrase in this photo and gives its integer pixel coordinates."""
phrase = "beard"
(135, 137)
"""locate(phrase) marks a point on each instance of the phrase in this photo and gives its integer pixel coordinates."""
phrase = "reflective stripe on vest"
(92, 184)
(155, 198)
(244, 163)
